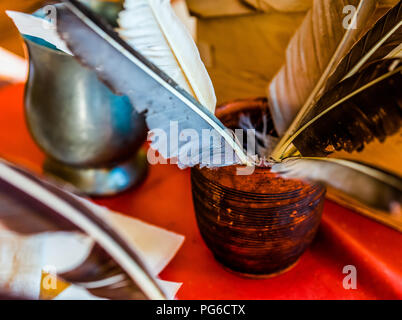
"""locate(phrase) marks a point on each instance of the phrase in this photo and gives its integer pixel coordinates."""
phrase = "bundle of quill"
(312, 54)
(362, 108)
(75, 24)
(105, 263)
(354, 103)
(169, 109)
(356, 100)
(310, 73)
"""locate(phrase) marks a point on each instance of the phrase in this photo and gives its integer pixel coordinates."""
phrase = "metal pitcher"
(91, 136)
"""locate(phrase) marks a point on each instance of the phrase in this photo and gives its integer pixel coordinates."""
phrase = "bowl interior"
(256, 113)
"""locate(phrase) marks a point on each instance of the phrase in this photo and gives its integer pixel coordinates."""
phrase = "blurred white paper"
(23, 258)
(77, 293)
(20, 265)
(30, 25)
(159, 246)
(12, 67)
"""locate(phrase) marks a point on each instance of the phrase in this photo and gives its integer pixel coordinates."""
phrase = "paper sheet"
(12, 67)
(23, 258)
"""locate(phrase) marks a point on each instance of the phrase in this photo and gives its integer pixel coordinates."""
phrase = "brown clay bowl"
(257, 225)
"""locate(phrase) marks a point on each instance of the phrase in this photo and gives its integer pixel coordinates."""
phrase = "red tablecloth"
(164, 199)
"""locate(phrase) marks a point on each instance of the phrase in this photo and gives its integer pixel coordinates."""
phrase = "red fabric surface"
(164, 199)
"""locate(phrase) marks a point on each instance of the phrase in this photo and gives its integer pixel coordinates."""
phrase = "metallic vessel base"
(105, 181)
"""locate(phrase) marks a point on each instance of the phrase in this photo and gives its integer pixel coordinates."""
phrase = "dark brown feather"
(374, 113)
(383, 26)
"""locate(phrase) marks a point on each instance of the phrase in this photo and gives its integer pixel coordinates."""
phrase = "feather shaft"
(375, 48)
(356, 111)
(152, 28)
(371, 186)
(340, 102)
(376, 44)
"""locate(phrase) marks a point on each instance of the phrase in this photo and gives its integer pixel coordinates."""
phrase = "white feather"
(152, 28)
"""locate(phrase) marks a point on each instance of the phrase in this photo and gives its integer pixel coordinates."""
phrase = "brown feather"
(312, 55)
(376, 44)
(360, 109)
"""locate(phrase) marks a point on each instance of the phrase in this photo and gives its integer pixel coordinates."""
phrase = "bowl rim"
(241, 105)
